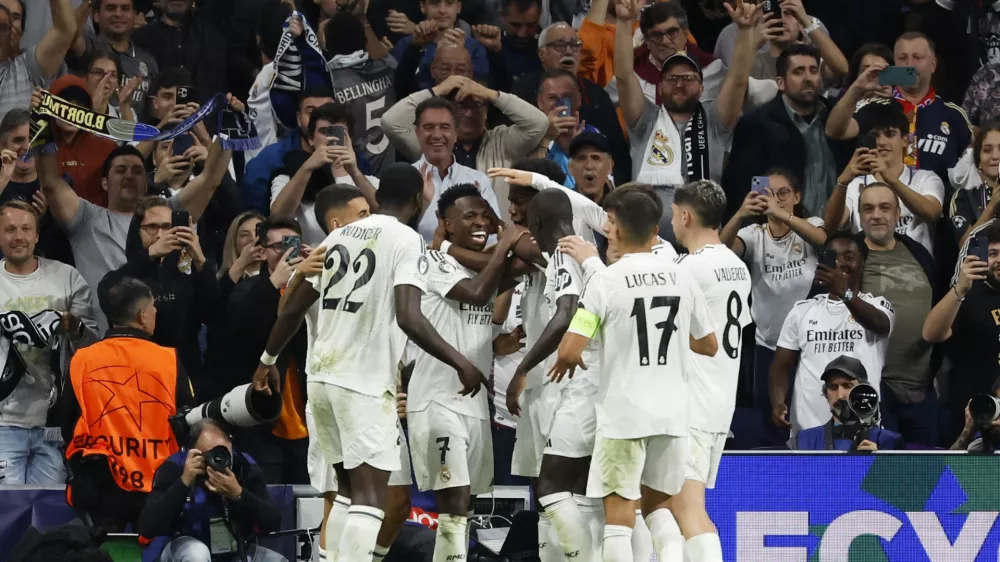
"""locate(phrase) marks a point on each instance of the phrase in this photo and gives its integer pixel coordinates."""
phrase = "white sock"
(667, 538)
(617, 544)
(570, 525)
(335, 526)
(380, 553)
(548, 543)
(320, 554)
(450, 543)
(642, 541)
(360, 534)
(705, 547)
(593, 511)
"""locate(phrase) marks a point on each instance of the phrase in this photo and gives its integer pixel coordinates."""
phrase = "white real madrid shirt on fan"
(563, 276)
(647, 307)
(822, 329)
(725, 281)
(467, 327)
(781, 273)
(358, 343)
(924, 182)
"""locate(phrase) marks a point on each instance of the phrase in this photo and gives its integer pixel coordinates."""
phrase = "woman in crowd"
(103, 78)
(241, 255)
(781, 250)
(975, 182)
(869, 55)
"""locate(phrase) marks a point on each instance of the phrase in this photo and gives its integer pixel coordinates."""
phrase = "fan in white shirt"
(843, 321)
(294, 195)
(370, 288)
(450, 433)
(920, 192)
(649, 314)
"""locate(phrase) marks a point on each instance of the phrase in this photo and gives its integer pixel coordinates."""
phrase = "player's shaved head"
(339, 205)
(635, 211)
(550, 215)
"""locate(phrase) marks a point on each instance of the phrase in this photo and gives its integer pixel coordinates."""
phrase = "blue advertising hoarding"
(857, 508)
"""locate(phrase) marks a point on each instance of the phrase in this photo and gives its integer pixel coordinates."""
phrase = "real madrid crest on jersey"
(143, 69)
(797, 249)
(945, 128)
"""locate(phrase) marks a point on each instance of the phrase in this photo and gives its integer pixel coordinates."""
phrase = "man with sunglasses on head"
(679, 139)
(560, 48)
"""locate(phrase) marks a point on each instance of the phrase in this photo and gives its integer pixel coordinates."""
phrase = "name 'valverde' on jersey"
(648, 308)
(358, 343)
(725, 280)
(467, 327)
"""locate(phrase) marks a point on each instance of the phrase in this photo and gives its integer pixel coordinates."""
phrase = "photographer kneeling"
(854, 424)
(208, 501)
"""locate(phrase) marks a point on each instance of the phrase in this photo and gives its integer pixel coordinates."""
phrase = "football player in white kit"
(698, 210)
(370, 288)
(648, 315)
(450, 435)
(337, 206)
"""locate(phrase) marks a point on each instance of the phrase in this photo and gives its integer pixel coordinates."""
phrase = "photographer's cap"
(847, 366)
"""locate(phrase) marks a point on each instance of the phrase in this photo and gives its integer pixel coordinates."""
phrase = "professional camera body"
(860, 412)
(985, 409)
(242, 406)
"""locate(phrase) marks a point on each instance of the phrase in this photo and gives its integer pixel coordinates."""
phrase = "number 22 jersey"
(648, 307)
(358, 343)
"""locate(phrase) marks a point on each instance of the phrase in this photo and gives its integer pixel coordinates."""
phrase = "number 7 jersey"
(358, 342)
(648, 307)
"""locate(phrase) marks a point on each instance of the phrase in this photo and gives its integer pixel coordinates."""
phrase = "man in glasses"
(114, 21)
(559, 48)
(678, 139)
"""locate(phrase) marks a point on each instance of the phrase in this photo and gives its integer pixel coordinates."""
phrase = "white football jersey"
(358, 342)
(468, 328)
(648, 307)
(562, 277)
(504, 366)
(821, 330)
(782, 271)
(725, 281)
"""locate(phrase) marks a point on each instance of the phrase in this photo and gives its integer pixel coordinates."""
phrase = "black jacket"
(597, 110)
(766, 138)
(184, 301)
(241, 335)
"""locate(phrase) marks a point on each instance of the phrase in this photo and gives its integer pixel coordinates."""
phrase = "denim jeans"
(27, 458)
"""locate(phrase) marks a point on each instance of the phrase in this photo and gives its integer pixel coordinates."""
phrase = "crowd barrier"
(771, 507)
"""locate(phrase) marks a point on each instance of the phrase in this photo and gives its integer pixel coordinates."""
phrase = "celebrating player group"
(624, 395)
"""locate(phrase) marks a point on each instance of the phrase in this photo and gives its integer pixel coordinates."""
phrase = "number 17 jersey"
(358, 343)
(647, 307)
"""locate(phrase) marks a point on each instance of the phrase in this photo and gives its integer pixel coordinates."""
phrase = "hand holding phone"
(292, 243)
(760, 184)
(180, 218)
(898, 76)
(181, 144)
(980, 248)
(771, 7)
(565, 106)
(336, 135)
(828, 257)
(186, 94)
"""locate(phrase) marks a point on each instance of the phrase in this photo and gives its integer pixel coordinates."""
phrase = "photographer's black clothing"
(173, 509)
(975, 345)
(837, 437)
(185, 298)
(236, 346)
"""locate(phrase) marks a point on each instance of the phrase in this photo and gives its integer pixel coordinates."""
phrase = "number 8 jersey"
(647, 307)
(358, 343)
(725, 281)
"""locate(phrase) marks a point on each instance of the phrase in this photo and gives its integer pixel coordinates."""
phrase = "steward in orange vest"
(124, 390)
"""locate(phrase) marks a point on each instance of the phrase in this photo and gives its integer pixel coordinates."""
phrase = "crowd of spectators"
(818, 149)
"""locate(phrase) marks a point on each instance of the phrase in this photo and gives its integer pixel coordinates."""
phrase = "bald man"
(451, 60)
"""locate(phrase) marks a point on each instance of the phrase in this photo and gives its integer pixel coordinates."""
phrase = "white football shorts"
(451, 450)
(355, 428)
(623, 466)
(704, 455)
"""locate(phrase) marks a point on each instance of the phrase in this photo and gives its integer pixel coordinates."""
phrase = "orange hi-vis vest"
(126, 388)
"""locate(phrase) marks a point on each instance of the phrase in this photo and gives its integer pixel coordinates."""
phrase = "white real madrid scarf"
(662, 160)
(18, 327)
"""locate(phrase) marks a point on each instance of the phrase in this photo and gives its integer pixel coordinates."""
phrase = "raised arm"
(479, 290)
(52, 49)
(630, 96)
(841, 124)
(834, 62)
(80, 15)
(926, 207)
(937, 325)
(195, 196)
(729, 104)
(63, 201)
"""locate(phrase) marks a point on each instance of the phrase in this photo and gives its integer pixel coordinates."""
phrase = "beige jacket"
(501, 146)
